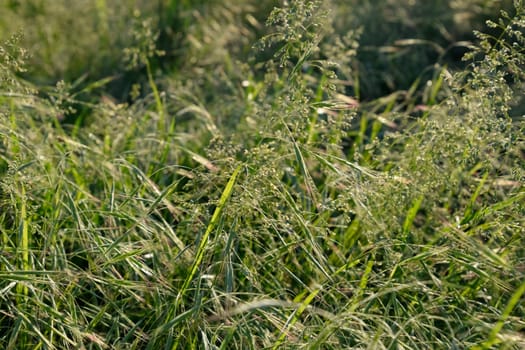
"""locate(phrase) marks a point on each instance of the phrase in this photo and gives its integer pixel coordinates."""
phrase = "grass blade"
(199, 254)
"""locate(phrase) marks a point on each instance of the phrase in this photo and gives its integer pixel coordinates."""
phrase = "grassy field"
(262, 174)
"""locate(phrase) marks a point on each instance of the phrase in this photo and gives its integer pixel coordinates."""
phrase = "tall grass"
(253, 204)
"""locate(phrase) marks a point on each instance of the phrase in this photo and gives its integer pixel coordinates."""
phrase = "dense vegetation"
(262, 174)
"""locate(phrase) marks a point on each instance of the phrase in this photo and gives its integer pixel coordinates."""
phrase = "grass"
(263, 200)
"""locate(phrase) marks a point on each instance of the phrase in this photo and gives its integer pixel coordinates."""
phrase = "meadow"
(332, 174)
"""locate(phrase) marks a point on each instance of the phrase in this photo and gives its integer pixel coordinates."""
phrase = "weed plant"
(254, 205)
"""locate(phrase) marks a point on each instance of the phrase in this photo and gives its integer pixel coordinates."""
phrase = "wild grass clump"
(248, 202)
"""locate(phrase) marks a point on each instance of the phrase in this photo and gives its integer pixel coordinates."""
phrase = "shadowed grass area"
(251, 197)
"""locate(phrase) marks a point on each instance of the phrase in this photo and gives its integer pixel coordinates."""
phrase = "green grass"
(261, 198)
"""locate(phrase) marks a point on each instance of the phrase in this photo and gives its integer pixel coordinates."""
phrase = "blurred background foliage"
(403, 40)
(400, 41)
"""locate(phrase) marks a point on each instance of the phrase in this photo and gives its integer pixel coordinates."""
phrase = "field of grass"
(262, 174)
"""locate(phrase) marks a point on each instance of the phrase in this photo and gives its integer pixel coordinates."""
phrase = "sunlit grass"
(245, 206)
